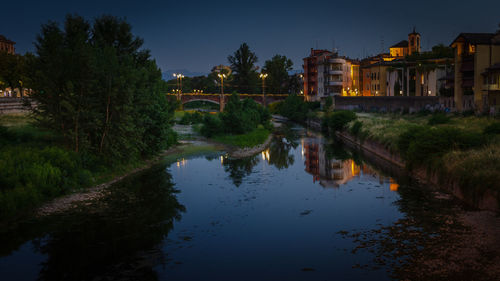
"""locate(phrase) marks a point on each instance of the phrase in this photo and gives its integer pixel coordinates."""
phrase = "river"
(296, 211)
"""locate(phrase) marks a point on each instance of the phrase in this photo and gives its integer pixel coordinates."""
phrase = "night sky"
(196, 35)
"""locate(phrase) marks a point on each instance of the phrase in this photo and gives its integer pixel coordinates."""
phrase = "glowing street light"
(221, 76)
(263, 76)
(179, 77)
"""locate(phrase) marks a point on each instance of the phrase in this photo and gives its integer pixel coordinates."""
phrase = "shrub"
(422, 145)
(337, 121)
(438, 118)
(191, 118)
(492, 129)
(295, 109)
(31, 175)
(356, 128)
(212, 125)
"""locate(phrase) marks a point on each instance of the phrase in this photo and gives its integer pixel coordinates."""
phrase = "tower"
(413, 42)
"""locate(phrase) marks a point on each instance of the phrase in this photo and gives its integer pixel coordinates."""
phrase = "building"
(7, 45)
(477, 59)
(400, 49)
(326, 74)
(406, 47)
(423, 77)
(413, 42)
(310, 67)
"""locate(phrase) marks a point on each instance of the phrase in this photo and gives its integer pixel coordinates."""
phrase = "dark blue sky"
(196, 35)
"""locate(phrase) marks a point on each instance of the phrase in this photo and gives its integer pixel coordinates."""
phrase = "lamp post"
(179, 77)
(263, 77)
(221, 101)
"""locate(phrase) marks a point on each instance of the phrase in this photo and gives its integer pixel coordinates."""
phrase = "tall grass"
(464, 149)
(253, 138)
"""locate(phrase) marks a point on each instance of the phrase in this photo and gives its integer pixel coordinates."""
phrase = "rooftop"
(475, 38)
(5, 40)
(401, 44)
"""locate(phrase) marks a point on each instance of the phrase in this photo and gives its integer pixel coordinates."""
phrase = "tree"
(277, 68)
(14, 71)
(96, 86)
(244, 69)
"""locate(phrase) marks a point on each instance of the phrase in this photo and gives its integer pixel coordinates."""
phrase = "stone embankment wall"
(12, 105)
(401, 104)
(487, 200)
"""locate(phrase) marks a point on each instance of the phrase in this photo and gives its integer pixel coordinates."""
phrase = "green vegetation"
(253, 138)
(338, 121)
(240, 119)
(438, 118)
(460, 149)
(277, 68)
(100, 112)
(294, 108)
(191, 118)
(95, 85)
(244, 73)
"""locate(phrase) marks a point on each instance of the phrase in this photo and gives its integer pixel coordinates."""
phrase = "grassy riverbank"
(463, 150)
(251, 139)
(36, 167)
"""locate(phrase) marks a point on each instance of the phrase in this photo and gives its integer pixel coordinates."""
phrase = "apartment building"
(7, 45)
(477, 68)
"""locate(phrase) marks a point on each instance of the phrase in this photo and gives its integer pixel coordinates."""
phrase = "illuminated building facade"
(477, 68)
(7, 45)
(327, 74)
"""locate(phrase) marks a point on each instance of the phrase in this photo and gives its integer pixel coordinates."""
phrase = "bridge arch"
(201, 99)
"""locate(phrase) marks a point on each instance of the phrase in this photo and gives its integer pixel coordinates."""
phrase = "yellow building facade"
(477, 68)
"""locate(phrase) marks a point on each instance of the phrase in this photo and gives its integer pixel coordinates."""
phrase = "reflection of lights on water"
(265, 155)
(181, 162)
(302, 148)
(222, 159)
(393, 185)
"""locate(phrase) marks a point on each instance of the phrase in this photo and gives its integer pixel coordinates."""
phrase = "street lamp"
(221, 76)
(179, 77)
(263, 77)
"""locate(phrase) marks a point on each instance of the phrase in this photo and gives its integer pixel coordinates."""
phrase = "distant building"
(400, 49)
(413, 42)
(327, 74)
(406, 47)
(7, 45)
(477, 68)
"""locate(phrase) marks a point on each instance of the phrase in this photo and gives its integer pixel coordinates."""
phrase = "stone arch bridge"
(222, 100)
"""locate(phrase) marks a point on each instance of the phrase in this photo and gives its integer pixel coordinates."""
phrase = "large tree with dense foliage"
(244, 70)
(95, 85)
(277, 68)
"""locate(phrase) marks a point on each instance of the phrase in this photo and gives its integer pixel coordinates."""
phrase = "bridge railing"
(217, 94)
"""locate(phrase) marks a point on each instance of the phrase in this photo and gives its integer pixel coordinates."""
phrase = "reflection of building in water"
(393, 185)
(334, 172)
(329, 172)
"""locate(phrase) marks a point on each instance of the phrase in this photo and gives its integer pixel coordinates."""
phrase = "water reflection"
(226, 233)
(332, 165)
(117, 238)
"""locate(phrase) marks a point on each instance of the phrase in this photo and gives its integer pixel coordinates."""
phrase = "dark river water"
(277, 215)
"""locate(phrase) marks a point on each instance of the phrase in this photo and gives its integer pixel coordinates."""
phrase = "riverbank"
(192, 144)
(382, 135)
(181, 151)
(456, 243)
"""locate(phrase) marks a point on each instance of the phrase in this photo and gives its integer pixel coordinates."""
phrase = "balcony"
(491, 87)
(337, 60)
(335, 83)
(335, 72)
